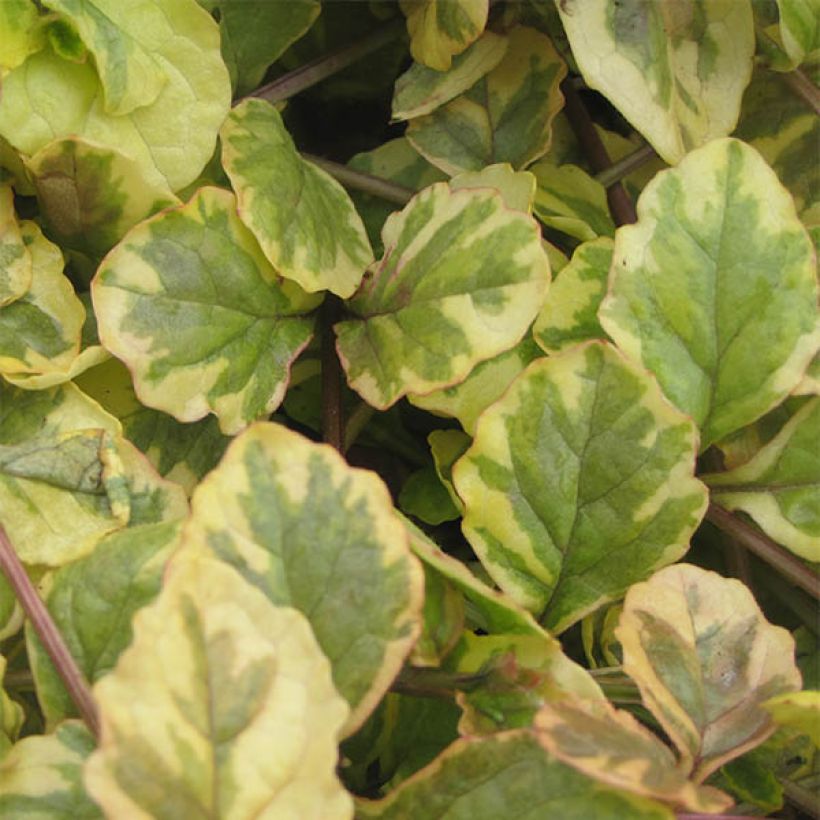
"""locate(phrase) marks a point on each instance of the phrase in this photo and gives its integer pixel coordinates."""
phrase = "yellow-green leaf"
(517, 188)
(611, 746)
(315, 534)
(505, 117)
(40, 331)
(304, 220)
(223, 706)
(460, 282)
(505, 775)
(92, 601)
(714, 289)
(569, 200)
(440, 29)
(797, 710)
(570, 312)
(579, 482)
(11, 716)
(15, 258)
(676, 71)
(780, 485)
(20, 33)
(90, 195)
(48, 97)
(41, 777)
(421, 90)
(189, 302)
(705, 658)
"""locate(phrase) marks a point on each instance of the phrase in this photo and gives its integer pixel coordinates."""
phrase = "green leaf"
(505, 117)
(569, 200)
(526, 671)
(442, 620)
(797, 710)
(439, 29)
(505, 775)
(570, 313)
(220, 670)
(40, 331)
(461, 280)
(182, 453)
(20, 34)
(41, 778)
(487, 608)
(800, 29)
(714, 288)
(579, 483)
(127, 43)
(751, 779)
(188, 301)
(257, 32)
(485, 383)
(11, 716)
(421, 90)
(611, 746)
(780, 485)
(15, 258)
(304, 221)
(171, 138)
(315, 534)
(92, 602)
(676, 71)
(705, 658)
(397, 161)
(424, 497)
(447, 447)
(90, 195)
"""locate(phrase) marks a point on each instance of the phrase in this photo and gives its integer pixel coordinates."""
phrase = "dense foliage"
(465, 466)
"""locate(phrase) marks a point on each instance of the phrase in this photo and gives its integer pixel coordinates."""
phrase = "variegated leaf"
(611, 746)
(505, 775)
(569, 200)
(220, 671)
(90, 195)
(315, 534)
(461, 280)
(41, 777)
(304, 220)
(182, 453)
(188, 301)
(570, 313)
(40, 331)
(421, 90)
(714, 288)
(439, 29)
(579, 483)
(163, 113)
(486, 608)
(92, 601)
(15, 258)
(442, 620)
(676, 71)
(705, 658)
(485, 383)
(505, 117)
(517, 188)
(797, 710)
(780, 485)
(525, 671)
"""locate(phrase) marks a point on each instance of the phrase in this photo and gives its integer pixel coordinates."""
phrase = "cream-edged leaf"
(676, 71)
(460, 282)
(714, 288)
(15, 258)
(304, 220)
(215, 671)
(439, 29)
(579, 482)
(797, 710)
(779, 487)
(505, 117)
(705, 658)
(315, 534)
(188, 301)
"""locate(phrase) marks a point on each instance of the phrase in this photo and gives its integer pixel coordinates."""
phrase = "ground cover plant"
(409, 410)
